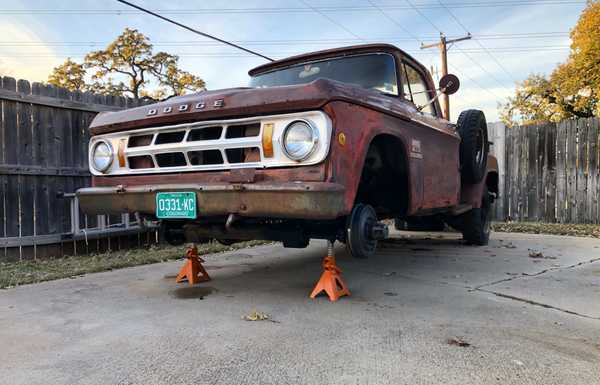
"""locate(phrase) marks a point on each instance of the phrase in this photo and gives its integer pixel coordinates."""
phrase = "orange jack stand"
(331, 282)
(192, 271)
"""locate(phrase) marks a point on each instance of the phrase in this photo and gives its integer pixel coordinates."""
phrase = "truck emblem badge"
(152, 111)
(200, 105)
(183, 107)
(342, 139)
(415, 146)
(415, 149)
(167, 110)
(218, 103)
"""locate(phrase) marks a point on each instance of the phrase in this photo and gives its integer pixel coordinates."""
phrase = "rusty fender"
(471, 193)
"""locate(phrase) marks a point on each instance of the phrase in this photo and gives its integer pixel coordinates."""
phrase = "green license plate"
(176, 205)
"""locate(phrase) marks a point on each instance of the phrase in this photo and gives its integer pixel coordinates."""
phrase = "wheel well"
(384, 177)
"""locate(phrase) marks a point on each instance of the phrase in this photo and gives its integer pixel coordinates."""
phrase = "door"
(435, 144)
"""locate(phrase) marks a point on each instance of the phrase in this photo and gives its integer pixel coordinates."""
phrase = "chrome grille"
(211, 145)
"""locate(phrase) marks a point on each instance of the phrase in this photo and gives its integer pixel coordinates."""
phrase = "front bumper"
(300, 200)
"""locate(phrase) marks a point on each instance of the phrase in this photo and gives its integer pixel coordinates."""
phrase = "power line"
(254, 10)
(511, 77)
(330, 19)
(463, 75)
(408, 32)
(543, 35)
(193, 30)
(275, 53)
(477, 63)
(419, 41)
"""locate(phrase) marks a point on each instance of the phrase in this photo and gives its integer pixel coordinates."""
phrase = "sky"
(511, 39)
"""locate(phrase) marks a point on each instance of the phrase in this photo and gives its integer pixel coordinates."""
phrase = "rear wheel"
(477, 222)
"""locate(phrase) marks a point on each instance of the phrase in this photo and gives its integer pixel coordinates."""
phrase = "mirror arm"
(437, 96)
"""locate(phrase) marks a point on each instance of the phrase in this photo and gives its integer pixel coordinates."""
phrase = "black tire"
(431, 223)
(476, 226)
(474, 145)
(359, 242)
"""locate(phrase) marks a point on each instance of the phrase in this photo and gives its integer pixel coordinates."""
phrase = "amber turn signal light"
(267, 140)
(121, 153)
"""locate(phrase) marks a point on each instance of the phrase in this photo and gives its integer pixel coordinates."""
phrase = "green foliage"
(573, 88)
(69, 75)
(127, 66)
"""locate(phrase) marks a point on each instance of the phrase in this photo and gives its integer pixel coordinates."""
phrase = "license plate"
(176, 205)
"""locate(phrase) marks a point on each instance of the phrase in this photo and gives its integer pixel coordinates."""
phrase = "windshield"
(371, 71)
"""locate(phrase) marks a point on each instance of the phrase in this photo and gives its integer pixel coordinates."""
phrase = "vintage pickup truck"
(321, 145)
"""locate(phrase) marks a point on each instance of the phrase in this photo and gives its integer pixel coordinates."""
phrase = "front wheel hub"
(363, 231)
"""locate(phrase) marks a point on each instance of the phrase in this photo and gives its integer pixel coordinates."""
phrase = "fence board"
(43, 151)
(553, 172)
(549, 181)
(25, 157)
(532, 174)
(11, 144)
(593, 188)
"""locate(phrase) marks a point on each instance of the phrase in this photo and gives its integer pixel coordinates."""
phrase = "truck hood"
(240, 102)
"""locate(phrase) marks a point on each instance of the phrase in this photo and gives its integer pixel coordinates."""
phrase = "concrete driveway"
(527, 320)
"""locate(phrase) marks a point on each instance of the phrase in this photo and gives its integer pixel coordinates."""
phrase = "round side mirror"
(449, 84)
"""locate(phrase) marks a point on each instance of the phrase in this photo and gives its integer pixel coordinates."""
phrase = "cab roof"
(329, 53)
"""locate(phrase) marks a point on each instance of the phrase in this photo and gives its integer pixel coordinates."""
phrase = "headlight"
(102, 156)
(300, 139)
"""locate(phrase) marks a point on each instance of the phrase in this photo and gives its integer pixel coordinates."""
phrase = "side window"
(415, 88)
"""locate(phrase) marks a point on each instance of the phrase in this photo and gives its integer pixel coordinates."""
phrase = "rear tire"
(477, 222)
(474, 145)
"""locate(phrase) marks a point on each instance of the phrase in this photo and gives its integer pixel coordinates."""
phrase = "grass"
(26, 272)
(576, 230)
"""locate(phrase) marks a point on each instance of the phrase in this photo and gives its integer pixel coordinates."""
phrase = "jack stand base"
(331, 282)
(192, 271)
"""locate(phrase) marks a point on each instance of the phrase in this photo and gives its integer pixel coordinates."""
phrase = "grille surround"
(318, 119)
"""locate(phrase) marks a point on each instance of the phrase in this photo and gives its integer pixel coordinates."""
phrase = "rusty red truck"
(321, 145)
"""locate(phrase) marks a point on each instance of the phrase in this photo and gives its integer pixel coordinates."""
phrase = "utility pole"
(443, 47)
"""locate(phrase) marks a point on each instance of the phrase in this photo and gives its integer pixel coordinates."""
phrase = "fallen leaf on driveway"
(538, 255)
(456, 341)
(256, 316)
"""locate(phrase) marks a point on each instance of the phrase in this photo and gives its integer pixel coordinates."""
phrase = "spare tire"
(474, 146)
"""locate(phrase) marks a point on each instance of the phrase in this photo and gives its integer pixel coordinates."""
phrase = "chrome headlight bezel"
(93, 150)
(314, 140)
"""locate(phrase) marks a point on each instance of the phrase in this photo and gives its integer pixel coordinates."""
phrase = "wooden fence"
(553, 172)
(43, 158)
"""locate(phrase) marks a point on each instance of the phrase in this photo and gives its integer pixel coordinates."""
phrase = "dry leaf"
(456, 341)
(256, 316)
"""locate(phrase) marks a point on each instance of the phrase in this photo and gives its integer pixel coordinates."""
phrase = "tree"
(573, 88)
(69, 75)
(128, 66)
